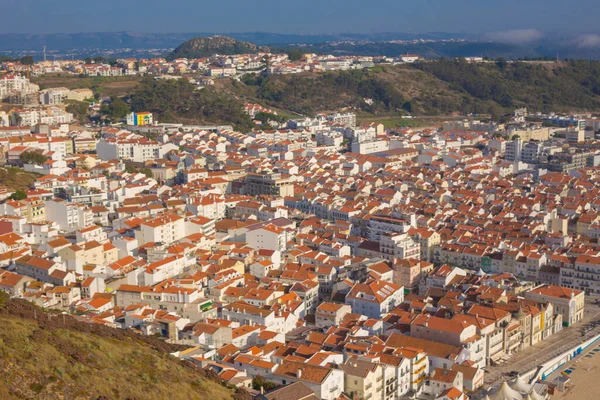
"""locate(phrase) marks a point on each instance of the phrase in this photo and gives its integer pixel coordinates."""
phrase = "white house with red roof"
(90, 233)
(166, 228)
(269, 237)
(374, 298)
(567, 302)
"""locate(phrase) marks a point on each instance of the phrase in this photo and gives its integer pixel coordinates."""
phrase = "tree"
(503, 119)
(259, 382)
(146, 171)
(32, 157)
(506, 101)
(4, 58)
(116, 110)
(88, 60)
(295, 54)
(172, 100)
(27, 60)
(265, 117)
(501, 63)
(18, 195)
(79, 110)
(98, 59)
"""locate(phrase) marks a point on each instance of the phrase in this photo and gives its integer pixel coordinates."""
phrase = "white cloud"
(519, 36)
(587, 41)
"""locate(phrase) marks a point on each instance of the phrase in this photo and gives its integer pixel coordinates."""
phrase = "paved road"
(555, 345)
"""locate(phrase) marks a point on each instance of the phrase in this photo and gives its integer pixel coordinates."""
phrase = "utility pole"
(44, 53)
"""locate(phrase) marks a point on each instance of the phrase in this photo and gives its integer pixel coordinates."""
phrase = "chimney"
(299, 373)
(262, 389)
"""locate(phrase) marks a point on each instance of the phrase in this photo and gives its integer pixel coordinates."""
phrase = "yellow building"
(35, 210)
(362, 379)
(90, 253)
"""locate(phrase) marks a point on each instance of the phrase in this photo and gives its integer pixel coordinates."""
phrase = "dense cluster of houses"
(303, 257)
(214, 66)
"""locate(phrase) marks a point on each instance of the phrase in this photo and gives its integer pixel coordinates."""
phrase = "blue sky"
(305, 16)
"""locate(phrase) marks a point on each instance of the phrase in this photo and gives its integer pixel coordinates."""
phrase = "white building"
(136, 150)
(374, 298)
(68, 216)
(399, 245)
(269, 237)
(569, 303)
(166, 228)
(373, 146)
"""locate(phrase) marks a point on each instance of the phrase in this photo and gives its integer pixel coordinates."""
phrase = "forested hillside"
(436, 87)
(541, 86)
(177, 100)
(430, 88)
(310, 93)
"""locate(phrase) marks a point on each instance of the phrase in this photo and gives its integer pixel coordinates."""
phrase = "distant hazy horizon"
(509, 19)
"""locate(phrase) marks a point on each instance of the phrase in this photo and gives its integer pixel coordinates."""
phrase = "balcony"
(418, 371)
(586, 271)
(420, 379)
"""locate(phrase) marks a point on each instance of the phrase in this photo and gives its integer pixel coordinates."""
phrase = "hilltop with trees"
(207, 46)
(434, 87)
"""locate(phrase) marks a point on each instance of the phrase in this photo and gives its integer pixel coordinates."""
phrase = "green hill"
(43, 356)
(435, 87)
(432, 88)
(207, 46)
(539, 86)
(180, 101)
(390, 88)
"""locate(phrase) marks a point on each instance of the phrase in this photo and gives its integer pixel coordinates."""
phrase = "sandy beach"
(585, 378)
